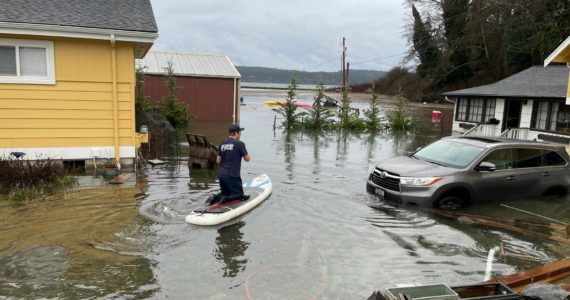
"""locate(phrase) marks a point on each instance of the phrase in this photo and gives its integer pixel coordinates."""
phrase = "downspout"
(568, 88)
(115, 103)
(236, 102)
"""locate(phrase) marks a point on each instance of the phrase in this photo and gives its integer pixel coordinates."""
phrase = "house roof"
(534, 82)
(189, 64)
(128, 15)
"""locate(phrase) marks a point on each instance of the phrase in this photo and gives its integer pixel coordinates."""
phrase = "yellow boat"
(275, 102)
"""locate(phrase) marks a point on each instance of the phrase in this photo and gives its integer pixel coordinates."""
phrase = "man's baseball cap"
(235, 128)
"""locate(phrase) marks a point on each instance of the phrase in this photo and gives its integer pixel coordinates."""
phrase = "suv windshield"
(449, 153)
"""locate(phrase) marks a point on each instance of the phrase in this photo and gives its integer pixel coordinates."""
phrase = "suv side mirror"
(486, 166)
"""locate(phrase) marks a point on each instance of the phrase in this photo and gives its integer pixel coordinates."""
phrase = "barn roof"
(189, 64)
(534, 82)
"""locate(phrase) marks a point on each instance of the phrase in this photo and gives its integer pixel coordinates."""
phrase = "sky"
(287, 34)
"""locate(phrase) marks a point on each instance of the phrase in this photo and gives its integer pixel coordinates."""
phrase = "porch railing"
(516, 133)
(482, 130)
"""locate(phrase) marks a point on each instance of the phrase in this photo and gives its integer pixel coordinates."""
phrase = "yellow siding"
(78, 110)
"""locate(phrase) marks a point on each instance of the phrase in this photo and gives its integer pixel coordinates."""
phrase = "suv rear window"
(551, 158)
(527, 158)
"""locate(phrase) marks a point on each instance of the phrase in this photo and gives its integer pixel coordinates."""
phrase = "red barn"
(208, 83)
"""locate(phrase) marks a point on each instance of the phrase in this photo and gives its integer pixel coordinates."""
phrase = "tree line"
(457, 44)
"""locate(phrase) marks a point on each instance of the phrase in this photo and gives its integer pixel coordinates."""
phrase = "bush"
(396, 81)
(24, 179)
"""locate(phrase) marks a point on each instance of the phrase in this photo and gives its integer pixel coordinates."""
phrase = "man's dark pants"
(232, 188)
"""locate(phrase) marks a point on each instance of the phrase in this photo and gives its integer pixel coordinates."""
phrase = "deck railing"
(516, 133)
(482, 130)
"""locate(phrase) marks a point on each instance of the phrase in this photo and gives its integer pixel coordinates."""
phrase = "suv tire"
(450, 202)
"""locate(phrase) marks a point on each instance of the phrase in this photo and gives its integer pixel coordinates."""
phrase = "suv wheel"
(451, 202)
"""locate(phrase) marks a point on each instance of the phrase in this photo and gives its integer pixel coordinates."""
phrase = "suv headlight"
(419, 181)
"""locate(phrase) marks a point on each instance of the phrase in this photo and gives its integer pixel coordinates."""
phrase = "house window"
(26, 61)
(551, 116)
(478, 110)
(462, 109)
(563, 119)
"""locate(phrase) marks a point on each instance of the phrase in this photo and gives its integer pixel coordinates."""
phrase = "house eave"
(554, 56)
(143, 40)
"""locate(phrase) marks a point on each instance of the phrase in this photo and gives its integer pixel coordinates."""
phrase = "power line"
(323, 63)
(379, 58)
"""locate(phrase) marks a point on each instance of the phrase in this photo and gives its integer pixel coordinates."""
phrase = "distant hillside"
(270, 75)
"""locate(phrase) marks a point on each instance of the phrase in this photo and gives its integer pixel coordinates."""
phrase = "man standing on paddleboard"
(230, 153)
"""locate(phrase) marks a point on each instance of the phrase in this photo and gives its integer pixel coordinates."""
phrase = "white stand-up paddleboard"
(258, 188)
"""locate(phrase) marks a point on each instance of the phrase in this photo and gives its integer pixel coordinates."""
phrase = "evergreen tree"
(455, 16)
(318, 116)
(398, 118)
(142, 102)
(425, 48)
(372, 114)
(174, 111)
(289, 110)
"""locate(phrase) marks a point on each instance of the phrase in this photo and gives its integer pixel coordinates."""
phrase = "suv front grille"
(386, 180)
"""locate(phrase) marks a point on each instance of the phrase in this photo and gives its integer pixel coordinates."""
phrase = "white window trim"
(48, 45)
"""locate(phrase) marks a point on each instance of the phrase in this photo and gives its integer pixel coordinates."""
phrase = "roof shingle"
(534, 82)
(129, 15)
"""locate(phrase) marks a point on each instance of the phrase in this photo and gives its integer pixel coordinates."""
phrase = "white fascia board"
(77, 32)
(195, 75)
(71, 153)
(556, 52)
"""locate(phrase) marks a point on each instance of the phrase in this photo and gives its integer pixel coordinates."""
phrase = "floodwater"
(319, 235)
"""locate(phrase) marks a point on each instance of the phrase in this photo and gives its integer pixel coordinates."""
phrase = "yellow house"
(561, 55)
(67, 77)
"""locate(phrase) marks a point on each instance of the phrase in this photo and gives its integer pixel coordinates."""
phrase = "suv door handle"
(545, 174)
(511, 178)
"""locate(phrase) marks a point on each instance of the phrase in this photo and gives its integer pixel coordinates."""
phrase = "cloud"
(293, 34)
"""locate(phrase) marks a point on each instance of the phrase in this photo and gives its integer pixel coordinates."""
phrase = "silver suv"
(456, 171)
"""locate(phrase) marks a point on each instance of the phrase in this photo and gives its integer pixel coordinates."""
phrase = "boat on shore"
(507, 287)
(283, 103)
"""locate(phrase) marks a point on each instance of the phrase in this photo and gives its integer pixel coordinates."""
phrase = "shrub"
(24, 179)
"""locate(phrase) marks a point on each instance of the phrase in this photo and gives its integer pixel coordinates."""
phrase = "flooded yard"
(318, 236)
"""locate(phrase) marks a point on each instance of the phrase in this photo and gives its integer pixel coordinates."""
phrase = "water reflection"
(289, 151)
(89, 243)
(320, 143)
(203, 179)
(231, 249)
